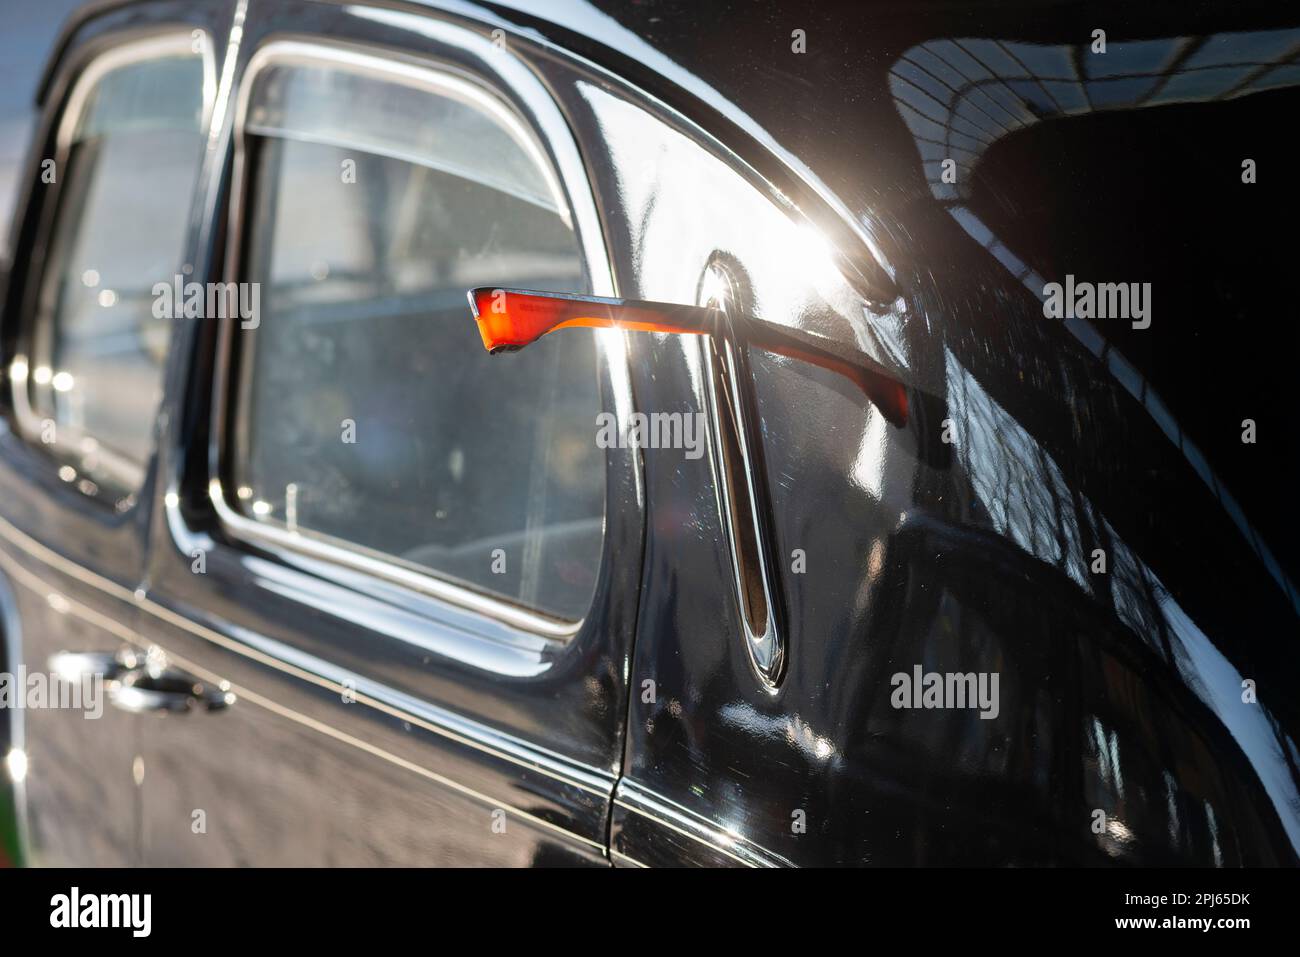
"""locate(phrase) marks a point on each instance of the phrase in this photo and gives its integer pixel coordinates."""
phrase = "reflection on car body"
(401, 601)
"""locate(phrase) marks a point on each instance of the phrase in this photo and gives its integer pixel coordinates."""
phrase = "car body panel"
(1146, 712)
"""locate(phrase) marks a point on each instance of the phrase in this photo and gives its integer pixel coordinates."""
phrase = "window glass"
(130, 144)
(369, 413)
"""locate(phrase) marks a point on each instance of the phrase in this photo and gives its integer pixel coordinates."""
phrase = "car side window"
(128, 149)
(368, 417)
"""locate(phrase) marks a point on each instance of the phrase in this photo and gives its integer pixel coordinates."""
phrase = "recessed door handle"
(141, 683)
(148, 690)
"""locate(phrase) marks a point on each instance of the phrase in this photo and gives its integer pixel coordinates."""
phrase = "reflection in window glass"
(369, 412)
(131, 162)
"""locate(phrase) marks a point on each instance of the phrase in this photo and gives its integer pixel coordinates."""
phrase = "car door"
(84, 358)
(392, 580)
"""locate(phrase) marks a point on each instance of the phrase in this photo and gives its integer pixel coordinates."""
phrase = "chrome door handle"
(141, 683)
(153, 690)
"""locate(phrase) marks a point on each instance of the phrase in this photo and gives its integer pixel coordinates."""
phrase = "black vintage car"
(965, 533)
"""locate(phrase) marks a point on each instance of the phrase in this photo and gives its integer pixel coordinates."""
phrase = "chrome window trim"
(130, 52)
(440, 83)
(563, 161)
(127, 52)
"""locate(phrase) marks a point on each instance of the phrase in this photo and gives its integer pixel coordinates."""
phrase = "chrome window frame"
(562, 160)
(124, 52)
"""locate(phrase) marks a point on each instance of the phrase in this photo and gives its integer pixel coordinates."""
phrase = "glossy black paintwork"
(702, 133)
(1122, 691)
